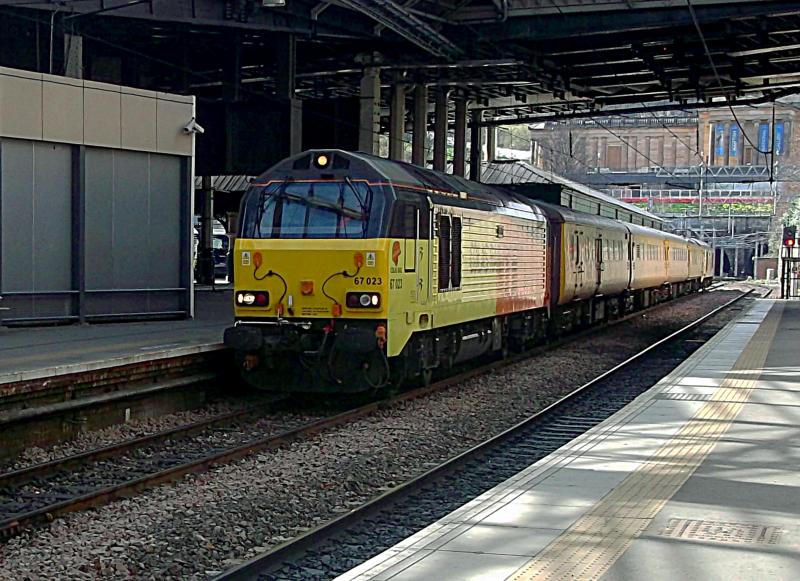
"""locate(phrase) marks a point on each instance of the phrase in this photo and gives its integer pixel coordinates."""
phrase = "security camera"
(193, 127)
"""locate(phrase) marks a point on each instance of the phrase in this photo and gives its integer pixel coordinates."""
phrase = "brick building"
(726, 179)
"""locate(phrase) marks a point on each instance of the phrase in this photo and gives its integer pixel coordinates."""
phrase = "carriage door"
(414, 261)
(422, 246)
(579, 250)
(411, 239)
(598, 257)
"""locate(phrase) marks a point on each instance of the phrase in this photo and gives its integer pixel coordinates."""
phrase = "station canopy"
(519, 60)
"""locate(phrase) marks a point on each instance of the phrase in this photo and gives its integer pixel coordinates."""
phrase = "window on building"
(614, 156)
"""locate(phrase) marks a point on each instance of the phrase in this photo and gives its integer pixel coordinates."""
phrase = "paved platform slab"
(699, 478)
(31, 353)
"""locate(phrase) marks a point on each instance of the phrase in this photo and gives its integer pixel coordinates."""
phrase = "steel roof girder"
(535, 28)
(293, 18)
(538, 8)
(405, 24)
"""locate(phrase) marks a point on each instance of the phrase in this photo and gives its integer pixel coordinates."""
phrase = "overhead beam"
(634, 110)
(536, 28)
(293, 18)
(522, 8)
(404, 23)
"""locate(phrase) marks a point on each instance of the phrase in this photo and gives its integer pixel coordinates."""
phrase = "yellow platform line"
(589, 548)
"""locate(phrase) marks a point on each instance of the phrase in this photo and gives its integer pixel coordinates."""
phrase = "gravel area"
(42, 492)
(122, 432)
(207, 522)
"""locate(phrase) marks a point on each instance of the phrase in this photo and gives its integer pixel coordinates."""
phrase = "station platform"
(698, 478)
(33, 353)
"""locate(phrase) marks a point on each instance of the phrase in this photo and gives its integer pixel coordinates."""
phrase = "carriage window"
(444, 252)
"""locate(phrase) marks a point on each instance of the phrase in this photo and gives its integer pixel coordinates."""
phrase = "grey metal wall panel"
(131, 222)
(165, 222)
(99, 218)
(17, 226)
(131, 217)
(36, 216)
(36, 230)
(133, 233)
(52, 226)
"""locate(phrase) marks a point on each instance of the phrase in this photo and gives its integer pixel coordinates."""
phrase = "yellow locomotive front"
(353, 272)
(311, 281)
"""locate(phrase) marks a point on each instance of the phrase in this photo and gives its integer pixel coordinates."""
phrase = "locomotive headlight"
(252, 298)
(361, 300)
(322, 160)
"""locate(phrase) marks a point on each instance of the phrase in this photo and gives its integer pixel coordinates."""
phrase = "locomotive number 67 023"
(367, 281)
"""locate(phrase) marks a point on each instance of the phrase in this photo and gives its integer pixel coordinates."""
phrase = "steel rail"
(15, 525)
(290, 550)
(52, 467)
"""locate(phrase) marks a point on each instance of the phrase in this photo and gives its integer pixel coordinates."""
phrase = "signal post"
(790, 263)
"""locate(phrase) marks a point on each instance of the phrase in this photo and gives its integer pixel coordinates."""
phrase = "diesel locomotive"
(353, 272)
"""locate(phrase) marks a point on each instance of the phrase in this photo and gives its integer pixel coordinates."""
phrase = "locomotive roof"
(357, 165)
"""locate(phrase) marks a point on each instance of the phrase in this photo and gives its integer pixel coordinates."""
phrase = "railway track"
(41, 493)
(343, 542)
(51, 409)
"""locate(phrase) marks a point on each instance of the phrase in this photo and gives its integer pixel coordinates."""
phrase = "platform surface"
(34, 352)
(699, 478)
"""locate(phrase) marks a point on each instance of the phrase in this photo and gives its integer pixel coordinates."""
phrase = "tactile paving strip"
(685, 396)
(595, 541)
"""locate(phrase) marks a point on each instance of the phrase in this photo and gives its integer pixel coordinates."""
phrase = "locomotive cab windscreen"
(310, 210)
